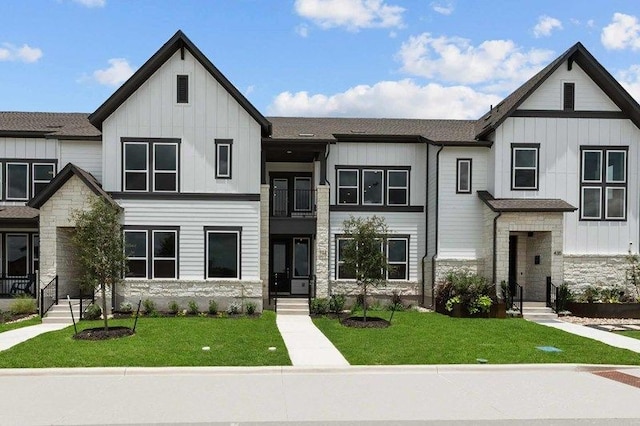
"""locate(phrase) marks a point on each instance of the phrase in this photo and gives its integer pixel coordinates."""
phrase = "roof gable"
(581, 56)
(177, 42)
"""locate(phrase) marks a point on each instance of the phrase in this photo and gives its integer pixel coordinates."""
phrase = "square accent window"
(603, 183)
(223, 158)
(182, 85)
(463, 173)
(348, 184)
(222, 253)
(524, 167)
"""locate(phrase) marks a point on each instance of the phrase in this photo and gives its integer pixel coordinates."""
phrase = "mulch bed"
(372, 322)
(9, 318)
(102, 334)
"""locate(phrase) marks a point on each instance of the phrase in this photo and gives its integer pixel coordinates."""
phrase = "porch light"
(289, 151)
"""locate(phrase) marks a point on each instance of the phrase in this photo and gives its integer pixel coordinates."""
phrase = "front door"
(280, 267)
(513, 263)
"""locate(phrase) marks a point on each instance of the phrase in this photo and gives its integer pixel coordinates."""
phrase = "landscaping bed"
(604, 310)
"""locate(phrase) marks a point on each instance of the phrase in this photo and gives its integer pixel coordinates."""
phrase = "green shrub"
(174, 308)
(192, 308)
(396, 302)
(471, 290)
(213, 307)
(126, 308)
(250, 308)
(23, 305)
(564, 297)
(234, 308)
(319, 306)
(149, 307)
(93, 312)
(336, 303)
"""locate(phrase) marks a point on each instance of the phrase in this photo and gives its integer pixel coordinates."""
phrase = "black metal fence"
(16, 286)
(86, 300)
(48, 296)
(552, 294)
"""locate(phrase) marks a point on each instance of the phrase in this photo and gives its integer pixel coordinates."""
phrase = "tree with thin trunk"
(100, 248)
(363, 255)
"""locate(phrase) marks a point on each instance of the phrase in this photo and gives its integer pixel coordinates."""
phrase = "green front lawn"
(429, 338)
(634, 334)
(20, 324)
(159, 342)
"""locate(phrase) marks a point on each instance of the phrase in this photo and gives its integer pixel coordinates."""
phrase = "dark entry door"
(280, 266)
(513, 263)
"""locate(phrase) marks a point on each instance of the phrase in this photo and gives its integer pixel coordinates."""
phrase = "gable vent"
(183, 89)
(569, 96)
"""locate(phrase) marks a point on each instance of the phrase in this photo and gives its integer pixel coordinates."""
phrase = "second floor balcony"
(293, 202)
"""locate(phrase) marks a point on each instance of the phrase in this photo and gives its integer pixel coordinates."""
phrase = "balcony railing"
(16, 286)
(293, 203)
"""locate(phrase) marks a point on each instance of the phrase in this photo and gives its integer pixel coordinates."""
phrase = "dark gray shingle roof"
(525, 204)
(18, 213)
(51, 124)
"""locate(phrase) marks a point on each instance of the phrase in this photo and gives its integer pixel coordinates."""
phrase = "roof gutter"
(435, 253)
(495, 244)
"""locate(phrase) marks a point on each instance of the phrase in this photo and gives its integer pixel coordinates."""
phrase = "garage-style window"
(603, 183)
(524, 166)
(222, 254)
(150, 165)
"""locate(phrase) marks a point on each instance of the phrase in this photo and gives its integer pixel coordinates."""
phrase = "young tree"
(363, 254)
(100, 248)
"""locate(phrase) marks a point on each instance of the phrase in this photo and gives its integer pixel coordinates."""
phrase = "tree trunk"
(364, 303)
(103, 291)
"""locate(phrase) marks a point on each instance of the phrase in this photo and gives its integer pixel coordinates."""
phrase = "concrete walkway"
(11, 338)
(611, 339)
(307, 346)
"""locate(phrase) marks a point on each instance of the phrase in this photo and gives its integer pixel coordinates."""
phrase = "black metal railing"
(273, 295)
(515, 297)
(16, 286)
(48, 296)
(86, 300)
(552, 294)
(299, 202)
(312, 289)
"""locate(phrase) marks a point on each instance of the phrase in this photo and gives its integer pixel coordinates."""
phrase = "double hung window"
(151, 253)
(373, 186)
(150, 165)
(396, 250)
(524, 166)
(222, 253)
(24, 179)
(603, 183)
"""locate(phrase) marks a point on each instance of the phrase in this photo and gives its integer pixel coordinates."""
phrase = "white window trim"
(516, 168)
(308, 196)
(145, 258)
(357, 187)
(154, 258)
(226, 175)
(624, 165)
(34, 181)
(599, 152)
(26, 184)
(238, 245)
(390, 187)
(341, 262)
(1, 183)
(582, 209)
(125, 170)
(459, 163)
(293, 266)
(382, 191)
(6, 250)
(624, 200)
(406, 258)
(164, 172)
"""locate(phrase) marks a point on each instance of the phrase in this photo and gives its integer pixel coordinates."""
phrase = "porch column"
(264, 241)
(322, 241)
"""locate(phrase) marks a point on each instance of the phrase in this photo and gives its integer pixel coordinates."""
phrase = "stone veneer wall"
(535, 287)
(410, 290)
(264, 240)
(163, 292)
(322, 241)
(444, 266)
(581, 271)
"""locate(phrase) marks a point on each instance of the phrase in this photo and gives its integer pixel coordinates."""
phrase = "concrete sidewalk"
(307, 346)
(11, 338)
(608, 337)
(475, 394)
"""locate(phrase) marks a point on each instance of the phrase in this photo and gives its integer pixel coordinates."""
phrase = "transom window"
(24, 179)
(373, 186)
(524, 166)
(222, 254)
(150, 165)
(151, 253)
(603, 183)
(396, 250)
(463, 173)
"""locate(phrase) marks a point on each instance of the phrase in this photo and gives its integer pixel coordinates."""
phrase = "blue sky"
(357, 58)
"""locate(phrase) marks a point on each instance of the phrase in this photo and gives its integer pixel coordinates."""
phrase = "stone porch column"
(322, 241)
(264, 241)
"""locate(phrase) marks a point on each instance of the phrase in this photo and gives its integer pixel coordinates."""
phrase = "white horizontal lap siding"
(381, 154)
(461, 216)
(32, 148)
(560, 140)
(588, 96)
(411, 224)
(192, 217)
(431, 199)
(84, 154)
(211, 114)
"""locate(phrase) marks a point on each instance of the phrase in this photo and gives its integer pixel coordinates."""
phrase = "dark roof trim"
(61, 178)
(279, 143)
(365, 137)
(184, 196)
(178, 41)
(23, 134)
(569, 114)
(74, 138)
(490, 201)
(483, 144)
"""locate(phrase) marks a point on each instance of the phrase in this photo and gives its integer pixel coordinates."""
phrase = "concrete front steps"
(537, 311)
(60, 314)
(293, 306)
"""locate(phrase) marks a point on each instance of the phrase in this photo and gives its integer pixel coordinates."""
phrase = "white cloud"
(545, 26)
(91, 3)
(388, 99)
(115, 74)
(26, 53)
(453, 59)
(350, 14)
(623, 32)
(443, 7)
(630, 80)
(302, 30)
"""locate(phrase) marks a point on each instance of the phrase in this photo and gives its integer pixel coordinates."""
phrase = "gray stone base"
(444, 266)
(586, 270)
(182, 292)
(409, 291)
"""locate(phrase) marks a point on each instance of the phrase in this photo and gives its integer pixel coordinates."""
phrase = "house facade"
(220, 202)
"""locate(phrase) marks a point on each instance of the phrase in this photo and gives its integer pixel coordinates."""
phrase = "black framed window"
(17, 254)
(222, 252)
(165, 254)
(398, 187)
(348, 184)
(223, 158)
(35, 252)
(182, 89)
(302, 194)
(524, 166)
(135, 243)
(603, 183)
(301, 256)
(463, 176)
(150, 165)
(396, 249)
(42, 174)
(343, 272)
(152, 252)
(372, 186)
(23, 179)
(569, 96)
(17, 181)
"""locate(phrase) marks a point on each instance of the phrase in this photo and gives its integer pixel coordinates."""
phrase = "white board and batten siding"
(191, 217)
(28, 148)
(212, 113)
(560, 140)
(461, 216)
(85, 154)
(588, 96)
